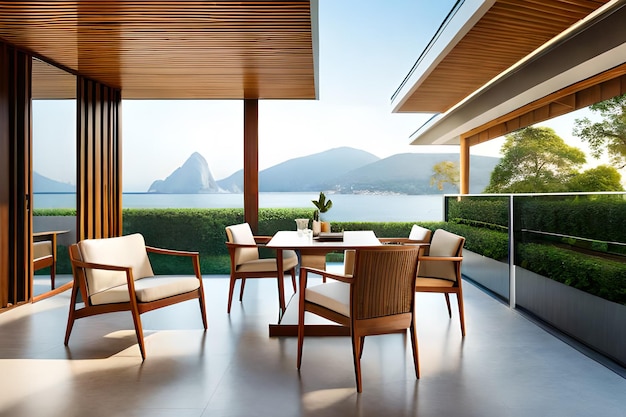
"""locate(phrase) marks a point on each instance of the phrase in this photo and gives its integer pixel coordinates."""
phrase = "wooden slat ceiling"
(173, 49)
(509, 31)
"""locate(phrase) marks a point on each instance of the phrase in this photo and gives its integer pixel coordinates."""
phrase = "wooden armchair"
(45, 252)
(44, 255)
(245, 262)
(115, 274)
(378, 298)
(440, 269)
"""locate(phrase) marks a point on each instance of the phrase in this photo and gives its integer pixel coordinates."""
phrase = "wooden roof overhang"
(583, 67)
(179, 49)
(479, 40)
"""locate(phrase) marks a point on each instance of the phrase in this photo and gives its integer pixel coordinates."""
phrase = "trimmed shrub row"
(597, 276)
(203, 230)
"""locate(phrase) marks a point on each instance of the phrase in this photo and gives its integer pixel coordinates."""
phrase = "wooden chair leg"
(414, 346)
(243, 286)
(52, 274)
(300, 335)
(293, 280)
(459, 297)
(202, 308)
(138, 329)
(71, 316)
(448, 304)
(362, 342)
(231, 290)
(356, 352)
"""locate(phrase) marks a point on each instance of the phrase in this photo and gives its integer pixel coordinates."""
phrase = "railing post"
(512, 226)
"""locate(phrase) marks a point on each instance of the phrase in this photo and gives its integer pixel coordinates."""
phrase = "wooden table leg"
(281, 283)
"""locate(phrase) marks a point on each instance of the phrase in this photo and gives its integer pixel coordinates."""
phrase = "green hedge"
(483, 210)
(203, 230)
(601, 277)
(490, 243)
(603, 218)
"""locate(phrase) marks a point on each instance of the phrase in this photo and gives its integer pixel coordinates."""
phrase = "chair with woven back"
(440, 269)
(417, 236)
(377, 298)
(245, 261)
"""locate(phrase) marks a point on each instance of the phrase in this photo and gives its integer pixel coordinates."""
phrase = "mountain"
(342, 170)
(194, 176)
(410, 173)
(307, 173)
(43, 184)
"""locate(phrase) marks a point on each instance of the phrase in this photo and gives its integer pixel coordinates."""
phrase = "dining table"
(306, 246)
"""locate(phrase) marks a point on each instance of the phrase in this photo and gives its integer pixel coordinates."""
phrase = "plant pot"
(317, 227)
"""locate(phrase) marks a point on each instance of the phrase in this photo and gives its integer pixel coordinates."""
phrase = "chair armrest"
(240, 245)
(402, 241)
(174, 252)
(106, 267)
(262, 240)
(127, 269)
(441, 258)
(195, 257)
(339, 277)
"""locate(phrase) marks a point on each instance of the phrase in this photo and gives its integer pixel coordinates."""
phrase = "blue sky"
(366, 49)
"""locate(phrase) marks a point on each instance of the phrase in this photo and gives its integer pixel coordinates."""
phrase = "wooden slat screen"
(99, 176)
(15, 177)
(180, 49)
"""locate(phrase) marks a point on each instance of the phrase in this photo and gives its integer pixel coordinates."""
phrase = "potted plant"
(322, 206)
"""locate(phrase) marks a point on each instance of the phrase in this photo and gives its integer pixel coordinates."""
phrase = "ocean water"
(346, 207)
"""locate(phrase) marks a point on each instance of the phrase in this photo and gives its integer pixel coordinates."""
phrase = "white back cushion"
(42, 249)
(242, 235)
(443, 244)
(127, 250)
(419, 233)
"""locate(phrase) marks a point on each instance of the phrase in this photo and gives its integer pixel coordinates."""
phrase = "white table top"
(288, 239)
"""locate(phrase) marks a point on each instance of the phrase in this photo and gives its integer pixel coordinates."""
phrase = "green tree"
(608, 135)
(445, 172)
(535, 160)
(601, 178)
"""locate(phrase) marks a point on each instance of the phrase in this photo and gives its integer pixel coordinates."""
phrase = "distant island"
(341, 170)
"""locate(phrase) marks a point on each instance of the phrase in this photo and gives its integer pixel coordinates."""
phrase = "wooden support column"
(251, 163)
(464, 166)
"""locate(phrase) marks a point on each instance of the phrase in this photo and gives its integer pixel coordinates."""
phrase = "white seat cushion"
(332, 295)
(433, 282)
(290, 260)
(148, 289)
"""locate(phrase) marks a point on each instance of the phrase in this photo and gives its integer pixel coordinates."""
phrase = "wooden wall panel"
(99, 189)
(15, 177)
